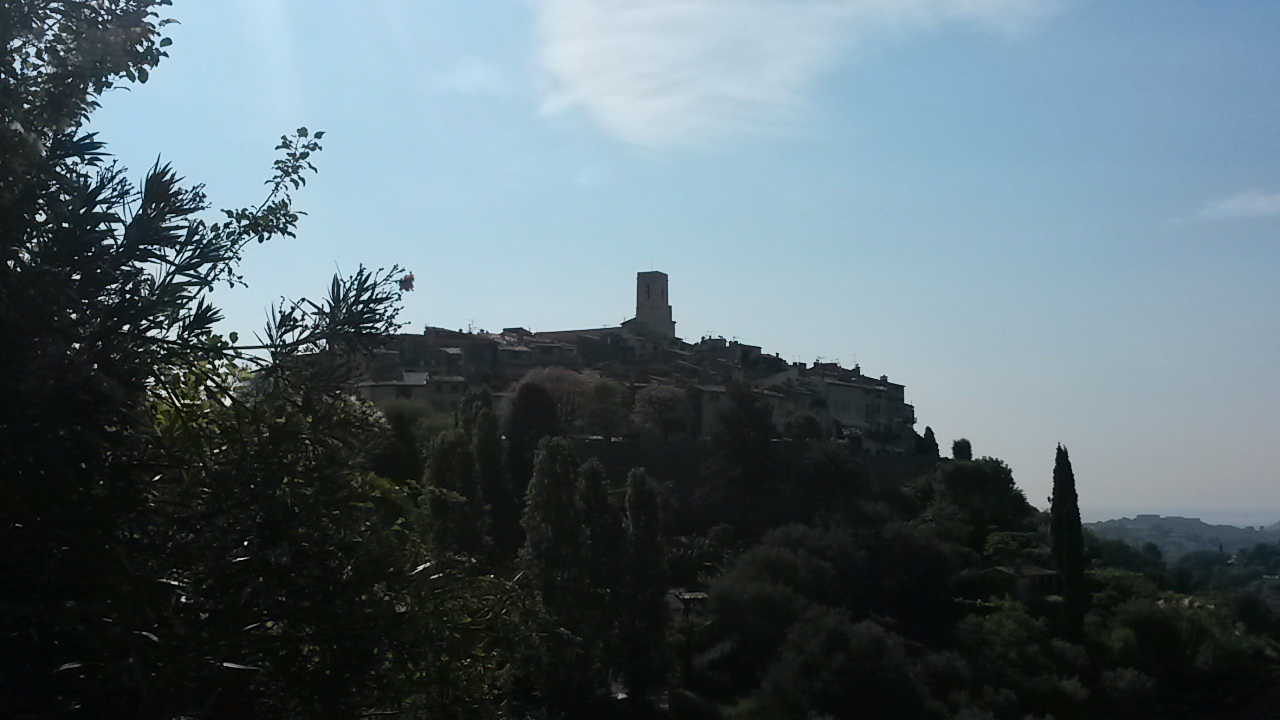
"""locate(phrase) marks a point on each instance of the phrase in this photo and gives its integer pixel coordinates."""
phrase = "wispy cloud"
(668, 72)
(1251, 204)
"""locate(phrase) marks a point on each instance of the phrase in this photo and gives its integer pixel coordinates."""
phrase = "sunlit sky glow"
(1052, 221)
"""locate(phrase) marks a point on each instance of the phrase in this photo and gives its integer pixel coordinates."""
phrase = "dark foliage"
(188, 526)
(743, 470)
(533, 416)
(501, 502)
(1068, 543)
(928, 445)
(831, 667)
(970, 499)
(196, 528)
(643, 617)
(397, 455)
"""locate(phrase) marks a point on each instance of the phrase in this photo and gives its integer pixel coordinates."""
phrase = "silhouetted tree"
(662, 410)
(929, 443)
(643, 614)
(803, 426)
(743, 465)
(398, 457)
(831, 667)
(456, 519)
(961, 450)
(1067, 538)
(554, 551)
(500, 498)
(974, 498)
(608, 407)
(555, 560)
(533, 416)
(500, 504)
(187, 526)
(605, 551)
(569, 390)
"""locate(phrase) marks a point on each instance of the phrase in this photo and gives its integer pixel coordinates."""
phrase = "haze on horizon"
(1052, 220)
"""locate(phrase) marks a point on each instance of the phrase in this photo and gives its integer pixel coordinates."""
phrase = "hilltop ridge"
(1177, 536)
(439, 366)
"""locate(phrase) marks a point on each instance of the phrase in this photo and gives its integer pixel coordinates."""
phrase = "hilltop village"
(437, 367)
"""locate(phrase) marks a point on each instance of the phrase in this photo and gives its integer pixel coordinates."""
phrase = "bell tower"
(652, 307)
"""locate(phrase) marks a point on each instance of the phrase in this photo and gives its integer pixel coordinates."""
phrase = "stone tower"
(652, 308)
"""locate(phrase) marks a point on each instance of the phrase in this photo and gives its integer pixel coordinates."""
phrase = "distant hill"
(1177, 536)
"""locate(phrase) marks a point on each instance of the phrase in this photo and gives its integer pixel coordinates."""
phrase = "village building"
(439, 365)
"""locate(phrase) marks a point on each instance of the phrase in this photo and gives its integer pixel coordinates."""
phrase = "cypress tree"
(605, 556)
(1068, 543)
(929, 444)
(553, 549)
(553, 557)
(455, 513)
(533, 417)
(603, 525)
(643, 616)
(501, 504)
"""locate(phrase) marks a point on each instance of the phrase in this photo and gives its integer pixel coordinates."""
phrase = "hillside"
(1177, 536)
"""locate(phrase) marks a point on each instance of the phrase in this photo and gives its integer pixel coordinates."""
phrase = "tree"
(397, 456)
(608, 407)
(803, 426)
(553, 528)
(293, 568)
(502, 506)
(832, 667)
(456, 520)
(643, 616)
(554, 560)
(662, 410)
(972, 499)
(962, 450)
(188, 524)
(1067, 537)
(569, 389)
(929, 444)
(532, 417)
(605, 557)
(743, 465)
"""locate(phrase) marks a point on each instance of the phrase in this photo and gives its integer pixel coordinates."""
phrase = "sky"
(1053, 221)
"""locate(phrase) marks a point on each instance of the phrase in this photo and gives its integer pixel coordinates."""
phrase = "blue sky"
(1052, 220)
